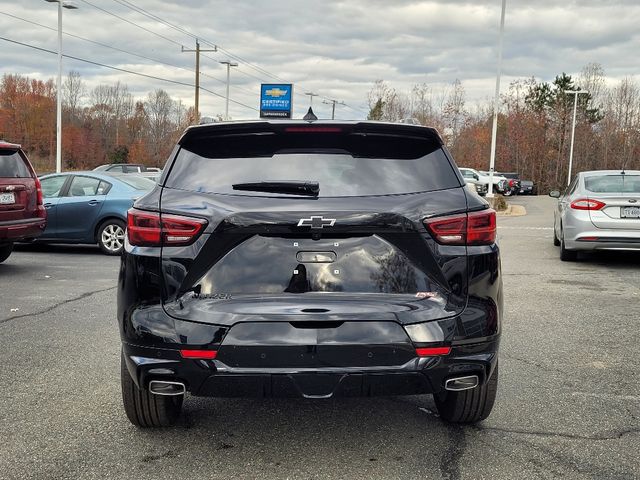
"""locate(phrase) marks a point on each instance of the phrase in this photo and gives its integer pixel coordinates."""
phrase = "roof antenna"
(310, 116)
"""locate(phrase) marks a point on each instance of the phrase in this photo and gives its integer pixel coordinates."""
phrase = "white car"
(499, 181)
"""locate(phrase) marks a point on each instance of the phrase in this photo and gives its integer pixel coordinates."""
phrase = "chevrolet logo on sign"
(276, 92)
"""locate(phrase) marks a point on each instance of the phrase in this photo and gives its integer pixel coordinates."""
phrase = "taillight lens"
(39, 191)
(475, 228)
(151, 229)
(587, 204)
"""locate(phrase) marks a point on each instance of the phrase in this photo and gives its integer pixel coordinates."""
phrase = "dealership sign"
(276, 100)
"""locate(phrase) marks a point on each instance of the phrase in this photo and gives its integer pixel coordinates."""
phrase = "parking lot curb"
(513, 211)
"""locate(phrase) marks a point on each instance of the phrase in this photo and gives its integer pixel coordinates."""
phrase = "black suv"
(309, 260)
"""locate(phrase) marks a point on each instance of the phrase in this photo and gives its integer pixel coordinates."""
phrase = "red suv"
(22, 214)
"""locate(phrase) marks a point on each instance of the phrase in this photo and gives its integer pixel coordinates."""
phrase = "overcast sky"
(336, 49)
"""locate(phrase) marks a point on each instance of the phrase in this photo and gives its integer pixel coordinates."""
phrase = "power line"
(124, 70)
(132, 23)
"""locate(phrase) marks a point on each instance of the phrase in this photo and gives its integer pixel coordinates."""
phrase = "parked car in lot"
(314, 260)
(90, 207)
(513, 183)
(152, 173)
(499, 182)
(527, 187)
(22, 214)
(481, 188)
(599, 210)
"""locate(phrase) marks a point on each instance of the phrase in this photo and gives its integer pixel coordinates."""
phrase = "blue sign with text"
(276, 100)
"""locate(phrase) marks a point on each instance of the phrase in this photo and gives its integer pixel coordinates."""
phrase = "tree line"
(534, 124)
(102, 125)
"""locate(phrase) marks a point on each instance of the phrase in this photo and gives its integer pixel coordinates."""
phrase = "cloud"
(336, 48)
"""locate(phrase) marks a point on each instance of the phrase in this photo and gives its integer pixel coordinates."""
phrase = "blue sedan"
(90, 207)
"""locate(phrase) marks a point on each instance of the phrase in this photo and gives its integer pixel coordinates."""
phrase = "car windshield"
(613, 183)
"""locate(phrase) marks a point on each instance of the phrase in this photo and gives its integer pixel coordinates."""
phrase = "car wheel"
(5, 251)
(508, 192)
(111, 237)
(567, 255)
(468, 406)
(143, 408)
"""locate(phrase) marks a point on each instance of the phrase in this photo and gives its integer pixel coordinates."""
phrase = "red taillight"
(433, 351)
(39, 191)
(587, 204)
(150, 229)
(475, 228)
(199, 354)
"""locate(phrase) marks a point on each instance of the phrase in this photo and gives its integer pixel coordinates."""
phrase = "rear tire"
(468, 406)
(5, 251)
(143, 408)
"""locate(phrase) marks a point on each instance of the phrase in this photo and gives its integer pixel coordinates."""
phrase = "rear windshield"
(613, 183)
(12, 165)
(342, 165)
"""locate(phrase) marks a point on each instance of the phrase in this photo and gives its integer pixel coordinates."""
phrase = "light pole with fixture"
(229, 64)
(573, 127)
(61, 4)
(496, 104)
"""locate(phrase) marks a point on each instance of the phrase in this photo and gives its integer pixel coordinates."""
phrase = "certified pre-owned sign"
(276, 100)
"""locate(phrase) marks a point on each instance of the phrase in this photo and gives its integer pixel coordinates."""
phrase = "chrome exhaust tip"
(461, 383)
(162, 387)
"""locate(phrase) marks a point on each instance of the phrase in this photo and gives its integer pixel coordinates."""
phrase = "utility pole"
(197, 52)
(229, 64)
(333, 107)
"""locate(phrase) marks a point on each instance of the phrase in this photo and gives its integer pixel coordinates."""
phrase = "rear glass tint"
(613, 183)
(343, 164)
(338, 175)
(12, 165)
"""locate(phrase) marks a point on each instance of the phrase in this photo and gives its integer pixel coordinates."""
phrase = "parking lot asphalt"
(568, 402)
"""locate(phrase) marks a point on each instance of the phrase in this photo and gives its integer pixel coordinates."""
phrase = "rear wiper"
(297, 187)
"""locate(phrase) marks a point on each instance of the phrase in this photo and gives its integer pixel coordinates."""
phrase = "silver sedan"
(599, 210)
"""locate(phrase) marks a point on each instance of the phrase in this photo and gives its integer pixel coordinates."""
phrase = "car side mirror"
(476, 176)
(554, 194)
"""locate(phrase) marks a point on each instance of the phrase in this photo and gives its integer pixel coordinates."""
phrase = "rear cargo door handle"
(94, 202)
(48, 205)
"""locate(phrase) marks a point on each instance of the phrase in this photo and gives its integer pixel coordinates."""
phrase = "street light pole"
(69, 6)
(496, 104)
(573, 127)
(311, 95)
(229, 64)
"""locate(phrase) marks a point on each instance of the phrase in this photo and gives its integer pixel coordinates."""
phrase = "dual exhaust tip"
(458, 384)
(161, 387)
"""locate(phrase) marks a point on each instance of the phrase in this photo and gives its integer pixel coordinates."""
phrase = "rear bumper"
(581, 234)
(17, 230)
(214, 378)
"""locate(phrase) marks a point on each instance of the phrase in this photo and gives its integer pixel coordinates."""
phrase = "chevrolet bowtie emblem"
(316, 222)
(276, 92)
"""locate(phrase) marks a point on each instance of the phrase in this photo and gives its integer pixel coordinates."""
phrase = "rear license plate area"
(630, 212)
(7, 198)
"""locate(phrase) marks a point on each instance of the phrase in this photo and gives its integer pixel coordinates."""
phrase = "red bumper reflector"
(433, 351)
(199, 354)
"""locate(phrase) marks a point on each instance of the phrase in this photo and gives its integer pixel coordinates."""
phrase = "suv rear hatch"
(18, 186)
(320, 221)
